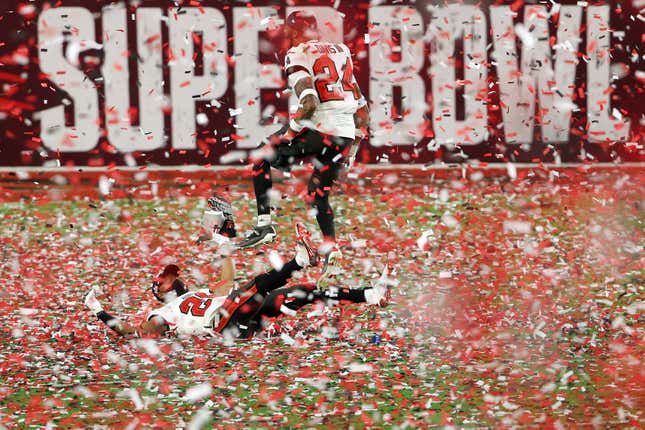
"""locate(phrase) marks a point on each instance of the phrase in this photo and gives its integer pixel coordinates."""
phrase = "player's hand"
(92, 302)
(353, 150)
(212, 219)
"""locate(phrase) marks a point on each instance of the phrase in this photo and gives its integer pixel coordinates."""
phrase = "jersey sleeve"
(167, 313)
(296, 65)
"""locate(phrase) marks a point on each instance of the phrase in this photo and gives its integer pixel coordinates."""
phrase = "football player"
(240, 313)
(328, 125)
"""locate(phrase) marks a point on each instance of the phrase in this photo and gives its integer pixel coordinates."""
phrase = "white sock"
(302, 257)
(327, 247)
(264, 220)
(372, 295)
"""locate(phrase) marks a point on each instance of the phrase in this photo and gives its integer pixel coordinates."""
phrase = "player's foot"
(212, 220)
(330, 269)
(92, 302)
(380, 293)
(306, 254)
(258, 236)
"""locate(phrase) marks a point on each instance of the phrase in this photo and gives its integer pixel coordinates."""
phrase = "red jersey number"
(195, 305)
(327, 79)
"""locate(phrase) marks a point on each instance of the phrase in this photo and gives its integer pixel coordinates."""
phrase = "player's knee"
(321, 203)
(317, 190)
(309, 198)
(261, 165)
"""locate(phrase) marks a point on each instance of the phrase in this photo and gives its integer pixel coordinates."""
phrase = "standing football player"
(240, 313)
(329, 124)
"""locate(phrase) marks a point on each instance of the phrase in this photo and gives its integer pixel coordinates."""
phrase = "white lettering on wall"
(251, 76)
(602, 127)
(116, 75)
(75, 26)
(187, 88)
(449, 24)
(385, 74)
(537, 78)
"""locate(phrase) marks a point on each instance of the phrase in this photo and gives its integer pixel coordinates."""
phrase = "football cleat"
(92, 302)
(381, 291)
(330, 269)
(306, 254)
(258, 236)
(385, 299)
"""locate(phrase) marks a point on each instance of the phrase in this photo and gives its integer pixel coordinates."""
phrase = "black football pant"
(272, 299)
(329, 154)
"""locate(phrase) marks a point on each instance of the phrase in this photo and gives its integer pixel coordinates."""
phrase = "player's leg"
(288, 300)
(240, 310)
(262, 183)
(243, 305)
(319, 187)
(306, 255)
(376, 295)
(263, 231)
(267, 156)
(329, 158)
(328, 163)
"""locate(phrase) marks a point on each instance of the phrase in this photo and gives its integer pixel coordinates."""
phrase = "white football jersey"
(191, 313)
(331, 68)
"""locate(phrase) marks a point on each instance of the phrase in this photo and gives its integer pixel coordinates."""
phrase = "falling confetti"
(515, 241)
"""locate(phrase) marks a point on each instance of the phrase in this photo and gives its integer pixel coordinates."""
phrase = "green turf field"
(520, 305)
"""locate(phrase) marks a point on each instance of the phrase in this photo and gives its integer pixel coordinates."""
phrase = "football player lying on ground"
(238, 314)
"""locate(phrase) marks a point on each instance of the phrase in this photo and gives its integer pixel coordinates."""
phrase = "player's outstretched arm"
(361, 117)
(228, 271)
(227, 278)
(361, 122)
(155, 325)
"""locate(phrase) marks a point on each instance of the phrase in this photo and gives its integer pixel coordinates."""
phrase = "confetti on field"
(482, 332)
(517, 293)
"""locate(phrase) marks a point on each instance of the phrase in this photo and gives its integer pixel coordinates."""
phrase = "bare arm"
(228, 270)
(155, 325)
(308, 104)
(362, 117)
(361, 122)
(227, 280)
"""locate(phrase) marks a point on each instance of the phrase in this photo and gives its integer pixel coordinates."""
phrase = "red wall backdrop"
(26, 90)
